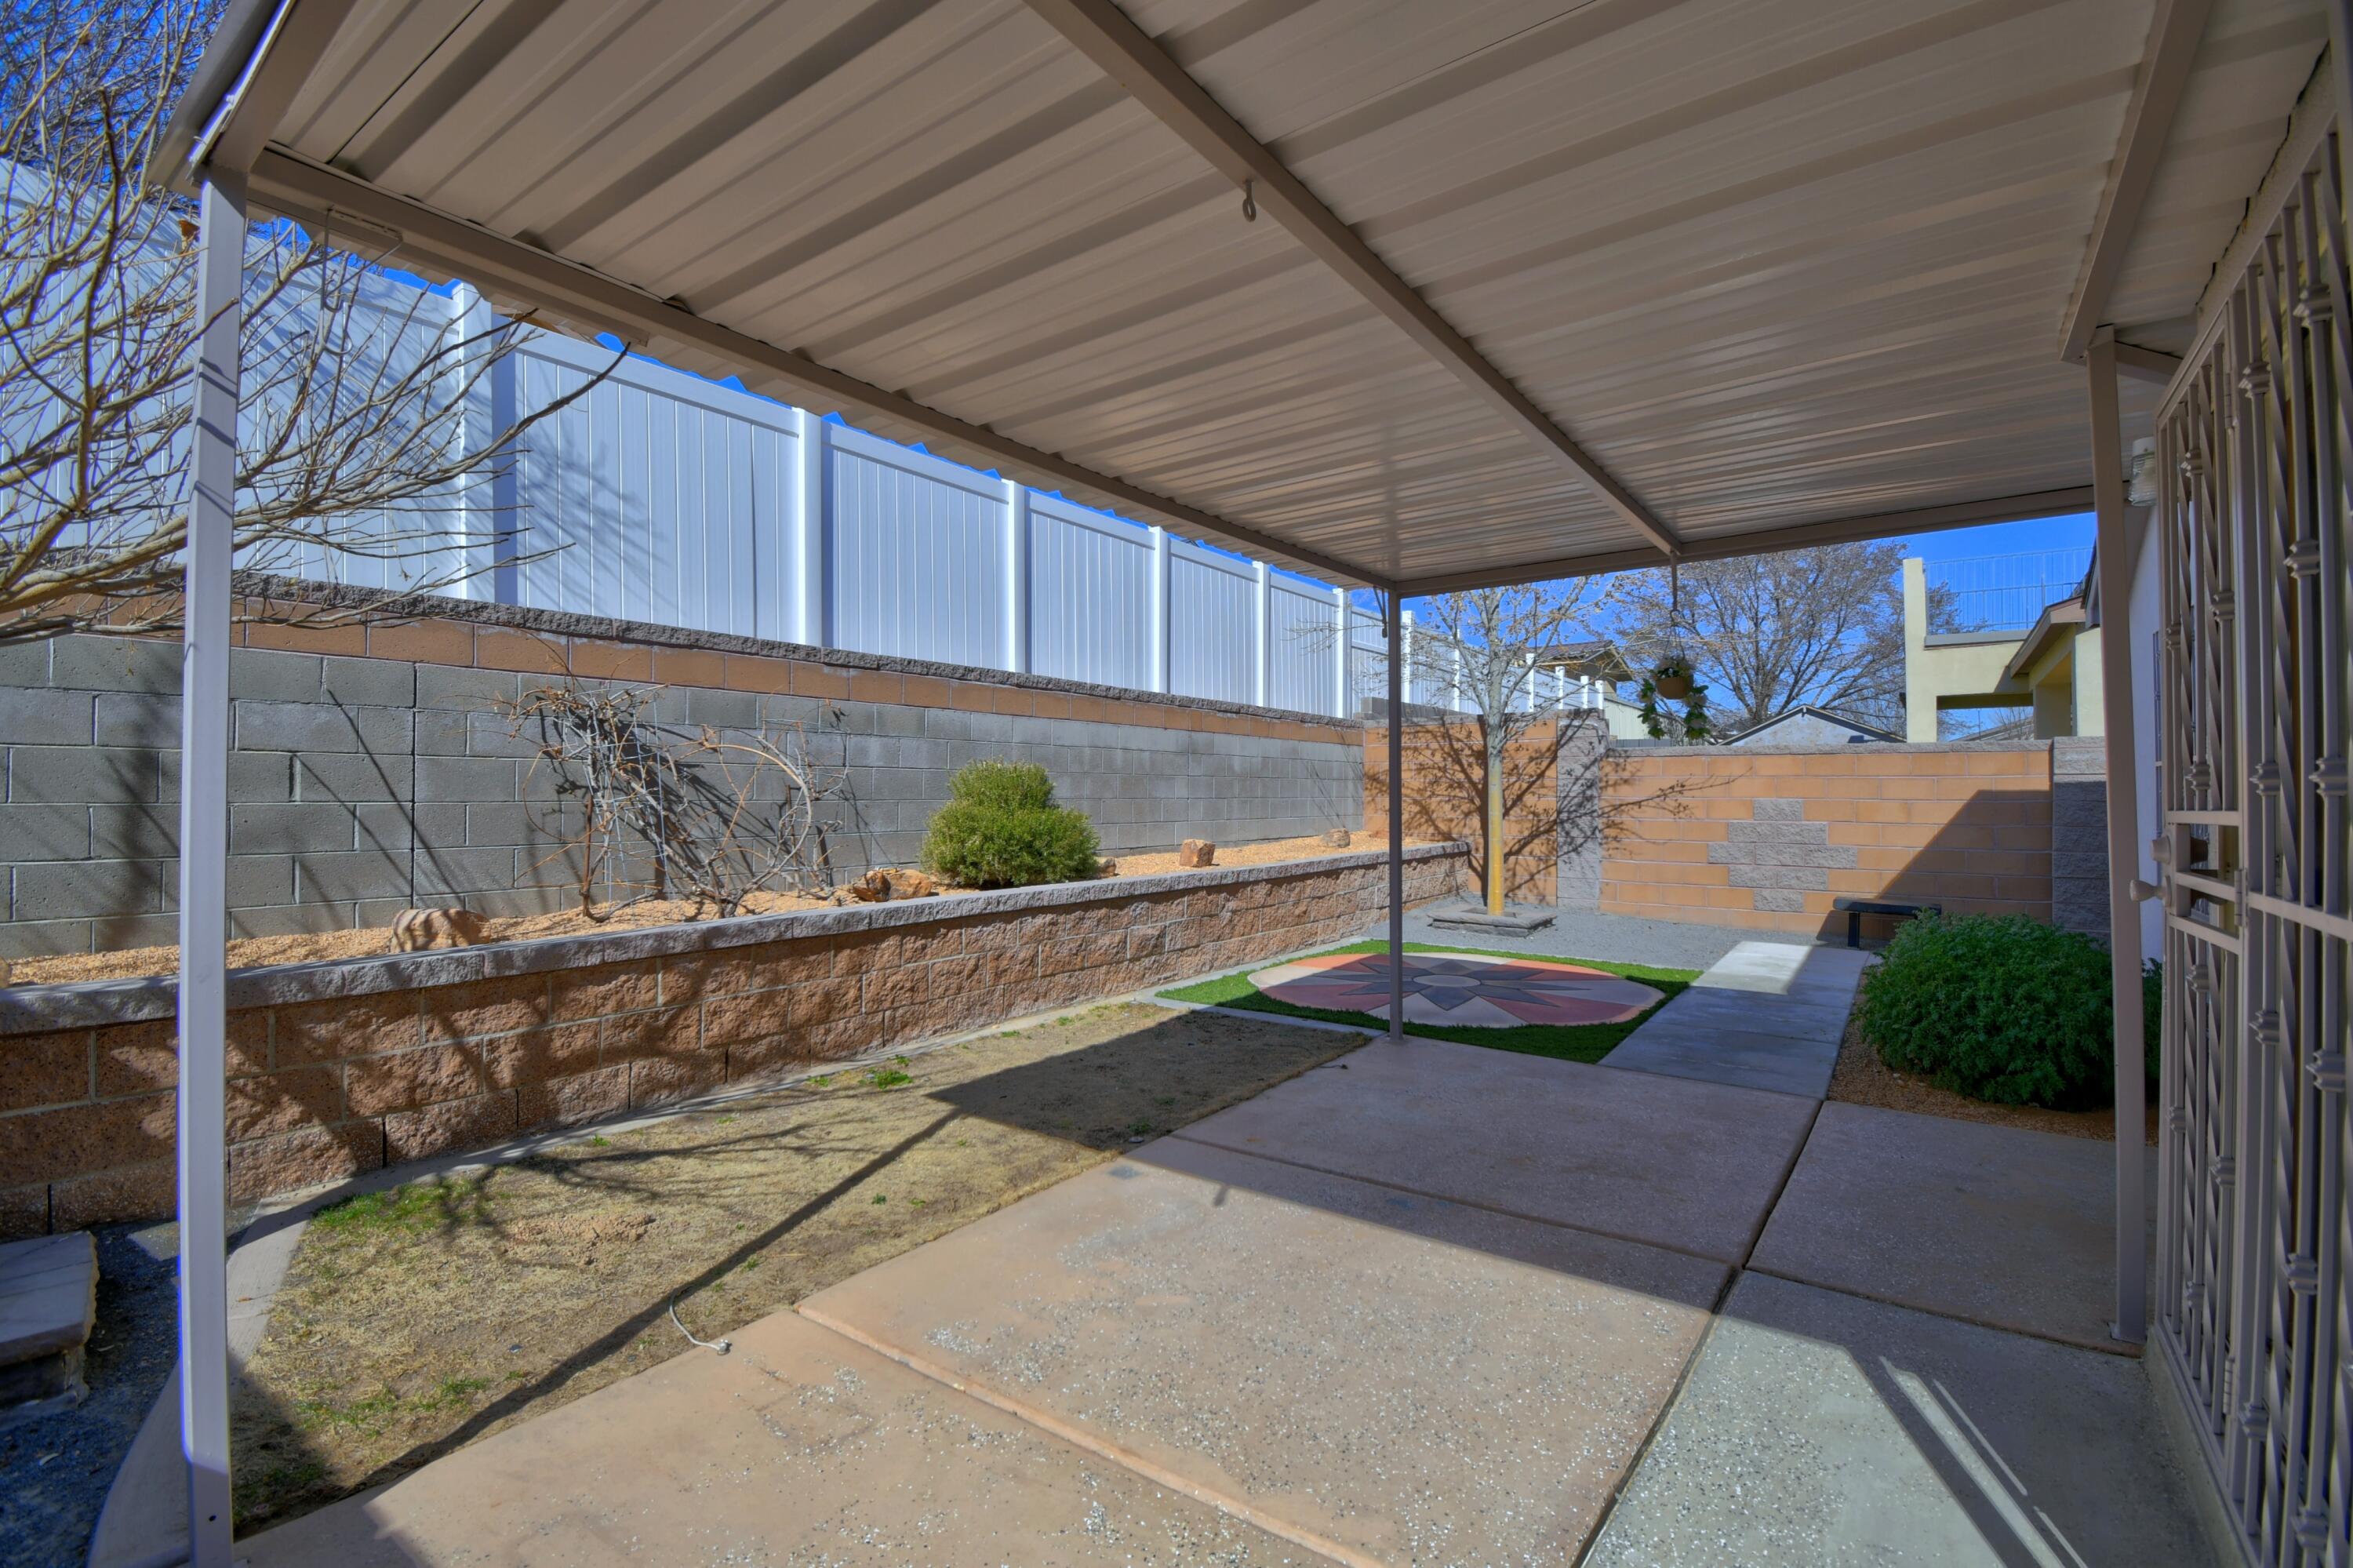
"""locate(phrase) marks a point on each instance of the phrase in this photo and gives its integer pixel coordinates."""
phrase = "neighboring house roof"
(1857, 733)
(2063, 618)
(1598, 658)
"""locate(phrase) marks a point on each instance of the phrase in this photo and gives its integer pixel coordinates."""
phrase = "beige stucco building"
(2052, 668)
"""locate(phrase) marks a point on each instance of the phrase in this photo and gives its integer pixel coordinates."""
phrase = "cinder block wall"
(2079, 835)
(1736, 836)
(371, 769)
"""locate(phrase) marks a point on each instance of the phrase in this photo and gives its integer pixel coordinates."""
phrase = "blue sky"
(2003, 538)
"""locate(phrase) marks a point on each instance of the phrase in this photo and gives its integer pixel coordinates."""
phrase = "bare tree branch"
(353, 388)
(1821, 626)
(703, 816)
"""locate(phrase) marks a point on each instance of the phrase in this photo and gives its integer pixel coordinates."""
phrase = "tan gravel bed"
(257, 953)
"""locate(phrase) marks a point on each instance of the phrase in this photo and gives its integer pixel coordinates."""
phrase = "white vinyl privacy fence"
(661, 497)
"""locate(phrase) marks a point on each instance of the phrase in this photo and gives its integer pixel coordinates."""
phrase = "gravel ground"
(54, 1471)
(1613, 938)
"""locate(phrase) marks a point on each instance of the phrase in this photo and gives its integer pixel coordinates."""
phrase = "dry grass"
(416, 1321)
(1862, 1079)
(256, 952)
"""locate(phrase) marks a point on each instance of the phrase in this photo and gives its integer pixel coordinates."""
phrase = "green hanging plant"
(1672, 699)
(1673, 680)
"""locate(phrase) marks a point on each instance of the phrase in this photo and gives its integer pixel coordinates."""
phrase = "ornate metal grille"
(2254, 1227)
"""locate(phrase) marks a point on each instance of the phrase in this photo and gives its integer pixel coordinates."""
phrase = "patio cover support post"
(204, 873)
(2115, 558)
(1392, 625)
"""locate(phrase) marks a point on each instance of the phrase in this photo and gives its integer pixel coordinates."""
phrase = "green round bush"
(2000, 1008)
(1001, 829)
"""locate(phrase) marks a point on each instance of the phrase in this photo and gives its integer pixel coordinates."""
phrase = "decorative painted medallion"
(1460, 989)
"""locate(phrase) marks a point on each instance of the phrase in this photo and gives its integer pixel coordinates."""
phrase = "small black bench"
(1854, 909)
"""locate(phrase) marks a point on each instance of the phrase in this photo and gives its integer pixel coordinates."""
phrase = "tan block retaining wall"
(341, 1068)
(1734, 836)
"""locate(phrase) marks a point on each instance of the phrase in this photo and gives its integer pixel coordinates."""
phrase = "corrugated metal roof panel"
(1769, 260)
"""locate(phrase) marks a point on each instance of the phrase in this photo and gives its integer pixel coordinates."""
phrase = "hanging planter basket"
(1673, 680)
(1677, 714)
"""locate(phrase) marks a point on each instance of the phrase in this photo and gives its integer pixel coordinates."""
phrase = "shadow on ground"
(1345, 1302)
(416, 1319)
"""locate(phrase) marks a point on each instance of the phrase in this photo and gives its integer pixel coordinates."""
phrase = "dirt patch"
(414, 1320)
(1267, 853)
(1862, 1079)
(324, 946)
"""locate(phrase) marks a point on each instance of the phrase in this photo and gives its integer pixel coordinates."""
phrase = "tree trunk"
(1493, 816)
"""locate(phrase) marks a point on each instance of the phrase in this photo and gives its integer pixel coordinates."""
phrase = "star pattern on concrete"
(1463, 990)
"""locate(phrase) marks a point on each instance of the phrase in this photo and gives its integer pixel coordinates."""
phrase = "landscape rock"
(885, 883)
(1196, 852)
(1336, 839)
(1107, 868)
(423, 930)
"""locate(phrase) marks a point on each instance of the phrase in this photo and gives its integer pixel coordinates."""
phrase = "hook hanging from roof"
(1249, 201)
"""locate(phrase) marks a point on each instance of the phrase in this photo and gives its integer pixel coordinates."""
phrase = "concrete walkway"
(1766, 1015)
(1429, 1304)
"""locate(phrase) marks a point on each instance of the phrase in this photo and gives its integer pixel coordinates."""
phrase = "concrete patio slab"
(1766, 1015)
(1819, 1428)
(1785, 969)
(799, 1446)
(1679, 1048)
(1796, 1018)
(1994, 1225)
(1378, 1377)
(1666, 1162)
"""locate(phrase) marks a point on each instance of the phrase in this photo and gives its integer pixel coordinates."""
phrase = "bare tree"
(1821, 626)
(351, 410)
(703, 816)
(1476, 656)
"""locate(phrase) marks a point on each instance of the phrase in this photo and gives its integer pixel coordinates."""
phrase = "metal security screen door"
(2254, 1227)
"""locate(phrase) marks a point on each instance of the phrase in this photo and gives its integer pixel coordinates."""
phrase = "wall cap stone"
(97, 1004)
(380, 604)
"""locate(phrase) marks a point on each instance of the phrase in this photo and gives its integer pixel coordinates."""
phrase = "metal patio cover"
(1531, 287)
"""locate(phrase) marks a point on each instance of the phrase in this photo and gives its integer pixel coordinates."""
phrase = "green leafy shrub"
(1001, 829)
(2000, 1008)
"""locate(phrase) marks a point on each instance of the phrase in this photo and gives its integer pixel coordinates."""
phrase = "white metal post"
(506, 519)
(1264, 601)
(1405, 641)
(202, 1141)
(1159, 620)
(1344, 646)
(2115, 555)
(477, 521)
(806, 622)
(1393, 629)
(1017, 578)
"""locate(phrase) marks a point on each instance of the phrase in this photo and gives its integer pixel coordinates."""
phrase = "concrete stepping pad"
(48, 1303)
(1768, 1015)
(799, 1446)
(1785, 969)
(1689, 1166)
(1994, 1225)
(1376, 1375)
(1820, 1428)
(1748, 1059)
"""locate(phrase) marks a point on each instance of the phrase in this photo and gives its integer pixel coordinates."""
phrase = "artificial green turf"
(1571, 1043)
